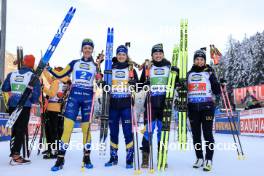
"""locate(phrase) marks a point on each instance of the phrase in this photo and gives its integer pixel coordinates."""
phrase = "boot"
(18, 160)
(59, 164)
(113, 158)
(145, 160)
(199, 163)
(129, 158)
(86, 160)
(208, 165)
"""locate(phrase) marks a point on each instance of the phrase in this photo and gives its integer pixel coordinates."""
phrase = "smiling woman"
(81, 97)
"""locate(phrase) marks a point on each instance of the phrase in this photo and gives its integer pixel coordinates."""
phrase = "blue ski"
(42, 64)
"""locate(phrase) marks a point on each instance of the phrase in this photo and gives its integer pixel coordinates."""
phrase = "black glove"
(181, 85)
(147, 82)
(132, 82)
(174, 68)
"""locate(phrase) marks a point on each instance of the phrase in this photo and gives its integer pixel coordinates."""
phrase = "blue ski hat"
(87, 41)
(122, 49)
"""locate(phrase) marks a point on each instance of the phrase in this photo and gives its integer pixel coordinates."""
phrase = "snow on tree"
(243, 63)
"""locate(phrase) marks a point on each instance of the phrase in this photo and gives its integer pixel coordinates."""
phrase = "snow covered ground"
(180, 163)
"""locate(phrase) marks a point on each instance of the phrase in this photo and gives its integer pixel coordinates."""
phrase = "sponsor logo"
(159, 71)
(85, 66)
(196, 77)
(197, 87)
(120, 74)
(19, 78)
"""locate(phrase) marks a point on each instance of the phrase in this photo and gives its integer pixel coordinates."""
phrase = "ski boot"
(59, 164)
(208, 165)
(113, 158)
(129, 158)
(145, 160)
(112, 162)
(87, 160)
(18, 160)
(198, 163)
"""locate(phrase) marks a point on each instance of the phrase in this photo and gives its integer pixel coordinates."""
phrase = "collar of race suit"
(163, 62)
(205, 68)
(87, 60)
(119, 65)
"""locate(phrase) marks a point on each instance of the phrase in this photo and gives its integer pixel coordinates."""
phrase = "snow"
(180, 162)
(242, 64)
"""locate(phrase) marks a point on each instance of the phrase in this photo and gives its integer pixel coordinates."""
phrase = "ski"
(106, 95)
(42, 64)
(167, 113)
(182, 103)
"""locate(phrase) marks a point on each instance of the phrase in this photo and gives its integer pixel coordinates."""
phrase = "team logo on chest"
(85, 66)
(120, 74)
(159, 71)
(196, 77)
(19, 78)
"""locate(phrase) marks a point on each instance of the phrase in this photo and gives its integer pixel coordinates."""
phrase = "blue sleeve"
(36, 92)
(65, 72)
(6, 85)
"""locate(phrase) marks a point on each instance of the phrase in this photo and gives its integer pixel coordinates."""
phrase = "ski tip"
(112, 29)
(151, 171)
(108, 30)
(74, 10)
(137, 172)
(241, 157)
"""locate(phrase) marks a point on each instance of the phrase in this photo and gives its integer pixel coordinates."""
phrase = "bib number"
(83, 75)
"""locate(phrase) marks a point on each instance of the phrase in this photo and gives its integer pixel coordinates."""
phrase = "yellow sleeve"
(52, 91)
(48, 76)
(65, 72)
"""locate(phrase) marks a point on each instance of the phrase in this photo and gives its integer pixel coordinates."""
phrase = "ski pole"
(235, 127)
(134, 123)
(228, 116)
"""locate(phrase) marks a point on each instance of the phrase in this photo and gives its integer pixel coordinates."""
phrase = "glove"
(147, 82)
(181, 85)
(60, 94)
(132, 82)
(98, 76)
(49, 68)
(174, 68)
